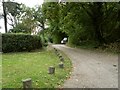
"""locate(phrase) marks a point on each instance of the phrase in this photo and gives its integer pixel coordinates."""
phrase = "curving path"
(91, 69)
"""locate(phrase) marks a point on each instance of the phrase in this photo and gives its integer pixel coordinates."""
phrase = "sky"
(29, 3)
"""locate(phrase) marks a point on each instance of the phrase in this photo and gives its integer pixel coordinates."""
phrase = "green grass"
(34, 65)
(95, 47)
(0, 70)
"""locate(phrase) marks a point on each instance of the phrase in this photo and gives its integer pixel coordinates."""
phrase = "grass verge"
(114, 49)
(19, 66)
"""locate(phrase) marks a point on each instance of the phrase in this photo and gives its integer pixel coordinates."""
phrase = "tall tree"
(12, 9)
(26, 21)
(39, 17)
(5, 16)
(29, 20)
(51, 11)
(95, 21)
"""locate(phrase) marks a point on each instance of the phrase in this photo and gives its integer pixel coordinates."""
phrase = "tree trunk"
(98, 34)
(97, 22)
(5, 16)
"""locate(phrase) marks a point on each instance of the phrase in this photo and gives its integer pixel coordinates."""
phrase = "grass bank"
(19, 66)
(108, 48)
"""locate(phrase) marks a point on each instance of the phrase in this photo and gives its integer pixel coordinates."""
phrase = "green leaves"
(84, 21)
(12, 7)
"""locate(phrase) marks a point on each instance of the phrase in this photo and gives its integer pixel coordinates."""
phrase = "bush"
(20, 42)
(44, 41)
(114, 47)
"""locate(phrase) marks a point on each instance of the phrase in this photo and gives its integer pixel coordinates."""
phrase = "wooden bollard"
(60, 56)
(27, 83)
(62, 59)
(57, 53)
(61, 65)
(51, 70)
(55, 49)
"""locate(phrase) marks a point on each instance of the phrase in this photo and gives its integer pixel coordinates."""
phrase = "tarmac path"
(91, 69)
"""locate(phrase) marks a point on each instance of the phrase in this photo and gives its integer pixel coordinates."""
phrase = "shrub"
(114, 47)
(20, 42)
(44, 40)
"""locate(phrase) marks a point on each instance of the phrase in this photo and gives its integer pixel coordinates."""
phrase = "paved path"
(91, 69)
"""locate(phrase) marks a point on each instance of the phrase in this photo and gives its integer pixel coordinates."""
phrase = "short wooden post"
(62, 59)
(57, 53)
(60, 56)
(27, 83)
(51, 70)
(61, 65)
(55, 49)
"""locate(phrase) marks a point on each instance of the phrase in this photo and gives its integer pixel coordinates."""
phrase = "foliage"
(85, 22)
(12, 7)
(26, 22)
(29, 20)
(90, 20)
(39, 17)
(44, 40)
(98, 22)
(20, 42)
(12, 10)
(34, 65)
(51, 13)
(21, 27)
(112, 47)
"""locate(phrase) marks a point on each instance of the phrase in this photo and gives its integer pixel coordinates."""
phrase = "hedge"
(20, 42)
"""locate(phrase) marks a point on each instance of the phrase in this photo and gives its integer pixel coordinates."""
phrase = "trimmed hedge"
(20, 42)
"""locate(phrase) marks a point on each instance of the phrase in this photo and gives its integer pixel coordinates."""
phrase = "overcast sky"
(30, 3)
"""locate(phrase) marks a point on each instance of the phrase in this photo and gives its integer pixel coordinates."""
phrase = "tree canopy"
(85, 21)
(81, 22)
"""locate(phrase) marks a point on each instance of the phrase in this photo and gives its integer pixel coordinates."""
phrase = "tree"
(26, 21)
(102, 17)
(30, 18)
(5, 16)
(90, 21)
(39, 17)
(51, 12)
(12, 9)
